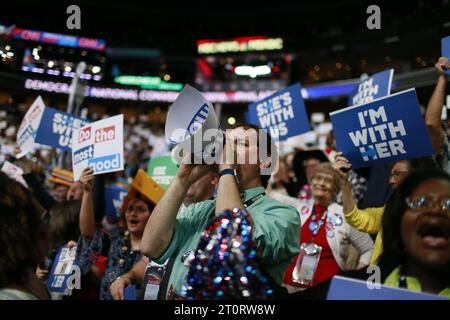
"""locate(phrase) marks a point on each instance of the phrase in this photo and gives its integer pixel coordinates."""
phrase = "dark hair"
(269, 145)
(63, 225)
(419, 163)
(298, 163)
(393, 254)
(23, 241)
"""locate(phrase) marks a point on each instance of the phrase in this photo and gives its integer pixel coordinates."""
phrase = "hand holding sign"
(442, 66)
(117, 288)
(87, 177)
(342, 165)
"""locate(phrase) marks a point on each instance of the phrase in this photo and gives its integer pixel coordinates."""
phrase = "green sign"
(154, 83)
(162, 169)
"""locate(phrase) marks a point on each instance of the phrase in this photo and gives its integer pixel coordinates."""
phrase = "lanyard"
(251, 201)
(314, 226)
(402, 280)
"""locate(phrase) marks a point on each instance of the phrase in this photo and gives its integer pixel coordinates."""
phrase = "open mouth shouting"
(133, 222)
(435, 232)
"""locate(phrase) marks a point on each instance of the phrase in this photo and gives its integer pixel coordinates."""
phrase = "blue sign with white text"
(445, 44)
(130, 293)
(282, 115)
(62, 270)
(114, 196)
(382, 131)
(105, 163)
(350, 289)
(374, 87)
(55, 129)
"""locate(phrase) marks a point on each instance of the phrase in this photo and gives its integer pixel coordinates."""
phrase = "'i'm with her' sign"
(282, 114)
(374, 87)
(385, 130)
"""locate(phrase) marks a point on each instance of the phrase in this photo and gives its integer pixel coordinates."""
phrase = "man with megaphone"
(275, 226)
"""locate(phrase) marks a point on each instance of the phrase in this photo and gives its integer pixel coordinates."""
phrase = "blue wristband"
(227, 171)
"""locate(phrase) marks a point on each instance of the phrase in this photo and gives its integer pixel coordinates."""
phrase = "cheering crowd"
(226, 231)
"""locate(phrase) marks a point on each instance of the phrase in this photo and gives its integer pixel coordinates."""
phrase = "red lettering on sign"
(85, 134)
(105, 134)
(87, 43)
(31, 35)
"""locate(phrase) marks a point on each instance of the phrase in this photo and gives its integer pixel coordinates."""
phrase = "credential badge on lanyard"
(306, 265)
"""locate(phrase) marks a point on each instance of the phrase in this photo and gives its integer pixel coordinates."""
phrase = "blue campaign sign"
(114, 196)
(130, 293)
(55, 129)
(382, 131)
(62, 270)
(282, 115)
(342, 288)
(374, 87)
(445, 44)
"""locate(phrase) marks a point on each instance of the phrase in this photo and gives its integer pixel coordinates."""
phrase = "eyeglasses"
(398, 174)
(321, 178)
(428, 201)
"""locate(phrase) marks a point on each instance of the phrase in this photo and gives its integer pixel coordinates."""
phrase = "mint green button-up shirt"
(276, 231)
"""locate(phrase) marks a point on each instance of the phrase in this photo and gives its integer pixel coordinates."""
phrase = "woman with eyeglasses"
(369, 219)
(325, 236)
(416, 233)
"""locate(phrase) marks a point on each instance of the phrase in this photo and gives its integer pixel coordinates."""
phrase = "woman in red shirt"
(325, 236)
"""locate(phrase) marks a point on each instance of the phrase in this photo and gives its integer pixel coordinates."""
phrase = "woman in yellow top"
(369, 220)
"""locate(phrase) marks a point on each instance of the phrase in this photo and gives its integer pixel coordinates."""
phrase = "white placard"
(29, 126)
(98, 145)
(190, 118)
(14, 172)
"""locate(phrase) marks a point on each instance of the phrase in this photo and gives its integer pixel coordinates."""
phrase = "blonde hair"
(327, 168)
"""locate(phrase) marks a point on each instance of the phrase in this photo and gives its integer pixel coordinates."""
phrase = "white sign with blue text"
(282, 115)
(342, 288)
(99, 146)
(371, 88)
(385, 130)
(29, 126)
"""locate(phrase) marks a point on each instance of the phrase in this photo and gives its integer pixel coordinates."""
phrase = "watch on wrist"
(229, 171)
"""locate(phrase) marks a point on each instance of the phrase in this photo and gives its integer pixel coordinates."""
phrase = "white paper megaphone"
(192, 126)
